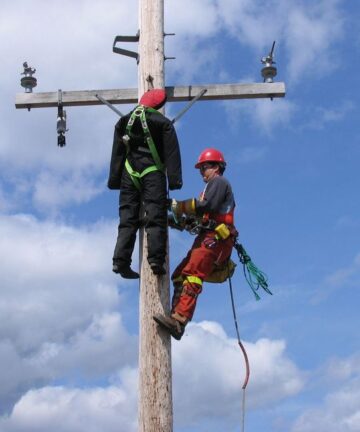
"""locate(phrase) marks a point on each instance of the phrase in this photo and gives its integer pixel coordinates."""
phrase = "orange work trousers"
(205, 253)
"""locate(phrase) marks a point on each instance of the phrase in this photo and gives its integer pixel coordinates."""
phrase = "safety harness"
(140, 113)
(195, 225)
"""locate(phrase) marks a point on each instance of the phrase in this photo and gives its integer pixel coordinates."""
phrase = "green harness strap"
(140, 112)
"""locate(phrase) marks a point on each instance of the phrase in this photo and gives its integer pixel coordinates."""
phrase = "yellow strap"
(193, 279)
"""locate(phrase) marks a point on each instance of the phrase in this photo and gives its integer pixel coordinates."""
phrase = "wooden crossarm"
(130, 96)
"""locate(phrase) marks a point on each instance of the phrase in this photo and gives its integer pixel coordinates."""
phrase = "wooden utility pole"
(155, 380)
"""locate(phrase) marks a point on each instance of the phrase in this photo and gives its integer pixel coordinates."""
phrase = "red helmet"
(154, 98)
(210, 155)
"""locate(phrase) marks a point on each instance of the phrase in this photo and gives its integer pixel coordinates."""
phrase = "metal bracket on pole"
(189, 105)
(150, 80)
(169, 58)
(61, 121)
(125, 52)
(104, 101)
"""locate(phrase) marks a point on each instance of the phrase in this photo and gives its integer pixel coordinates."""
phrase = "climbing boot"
(125, 271)
(173, 326)
(157, 269)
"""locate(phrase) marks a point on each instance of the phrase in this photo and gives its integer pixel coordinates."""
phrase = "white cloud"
(341, 276)
(64, 409)
(59, 305)
(306, 30)
(194, 19)
(73, 45)
(309, 36)
(74, 56)
(60, 312)
(193, 24)
(252, 23)
(5, 201)
(340, 412)
(52, 191)
(264, 113)
(347, 276)
(270, 114)
(208, 367)
(49, 249)
(343, 369)
(92, 352)
(322, 117)
(52, 177)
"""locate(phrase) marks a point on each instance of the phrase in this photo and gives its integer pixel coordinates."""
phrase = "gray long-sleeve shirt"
(217, 197)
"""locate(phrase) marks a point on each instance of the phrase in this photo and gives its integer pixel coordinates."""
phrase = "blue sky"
(69, 326)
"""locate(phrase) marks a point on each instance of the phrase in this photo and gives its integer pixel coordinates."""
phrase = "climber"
(212, 246)
(145, 152)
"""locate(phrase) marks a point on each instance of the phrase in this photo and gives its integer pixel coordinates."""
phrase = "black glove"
(174, 184)
(179, 224)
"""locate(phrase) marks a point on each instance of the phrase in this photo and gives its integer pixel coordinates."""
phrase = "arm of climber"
(172, 156)
(118, 155)
(186, 207)
(212, 201)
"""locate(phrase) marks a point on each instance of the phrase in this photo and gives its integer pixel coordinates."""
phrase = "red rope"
(247, 365)
(243, 350)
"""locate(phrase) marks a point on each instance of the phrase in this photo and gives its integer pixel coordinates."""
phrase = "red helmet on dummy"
(211, 155)
(154, 98)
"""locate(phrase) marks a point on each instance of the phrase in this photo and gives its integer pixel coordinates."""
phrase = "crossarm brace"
(189, 105)
(104, 101)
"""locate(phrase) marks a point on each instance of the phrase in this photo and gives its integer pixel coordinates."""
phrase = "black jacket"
(166, 142)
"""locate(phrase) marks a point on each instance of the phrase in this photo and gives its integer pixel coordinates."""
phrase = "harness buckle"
(126, 139)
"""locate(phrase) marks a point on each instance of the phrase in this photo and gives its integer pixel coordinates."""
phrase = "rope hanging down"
(247, 364)
(254, 276)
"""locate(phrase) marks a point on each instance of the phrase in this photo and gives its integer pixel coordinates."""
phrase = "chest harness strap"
(140, 112)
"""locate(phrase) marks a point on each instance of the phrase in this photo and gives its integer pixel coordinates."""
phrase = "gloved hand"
(174, 184)
(186, 207)
(179, 224)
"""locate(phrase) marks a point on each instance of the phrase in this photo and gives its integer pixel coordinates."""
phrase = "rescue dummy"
(145, 156)
(213, 245)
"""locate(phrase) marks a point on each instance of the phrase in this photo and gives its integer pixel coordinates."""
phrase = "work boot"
(157, 269)
(174, 327)
(125, 271)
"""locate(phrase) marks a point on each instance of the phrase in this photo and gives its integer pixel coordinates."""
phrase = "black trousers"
(153, 195)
